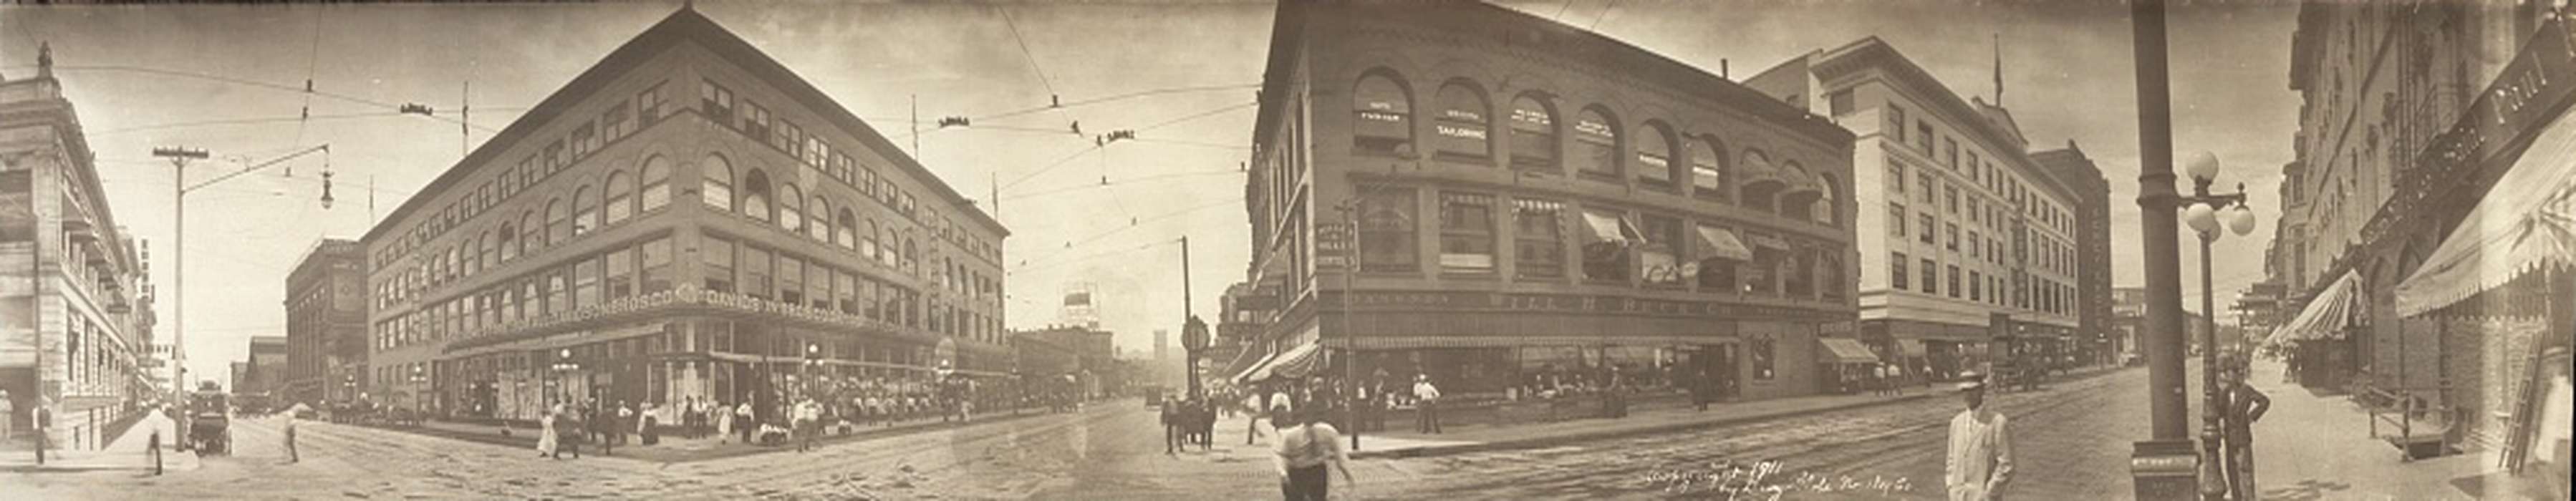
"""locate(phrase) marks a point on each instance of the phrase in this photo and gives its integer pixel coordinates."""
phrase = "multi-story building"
(2094, 342)
(1968, 244)
(265, 371)
(2411, 114)
(326, 325)
(1243, 313)
(1479, 195)
(623, 242)
(75, 309)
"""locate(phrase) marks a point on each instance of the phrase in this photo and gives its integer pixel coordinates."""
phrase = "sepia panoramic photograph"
(1287, 249)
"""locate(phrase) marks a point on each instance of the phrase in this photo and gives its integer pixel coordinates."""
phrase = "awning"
(1604, 228)
(1297, 362)
(1257, 371)
(2326, 316)
(2528, 220)
(1766, 241)
(1846, 351)
(1723, 244)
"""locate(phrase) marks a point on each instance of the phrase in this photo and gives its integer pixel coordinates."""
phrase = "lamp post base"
(2165, 470)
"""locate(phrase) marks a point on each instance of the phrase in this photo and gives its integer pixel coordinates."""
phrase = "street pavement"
(2072, 441)
(130, 451)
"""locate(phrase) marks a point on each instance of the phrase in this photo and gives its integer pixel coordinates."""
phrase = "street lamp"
(2200, 211)
(563, 366)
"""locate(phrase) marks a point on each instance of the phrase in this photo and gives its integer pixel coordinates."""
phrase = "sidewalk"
(677, 449)
(1466, 439)
(129, 451)
(2319, 447)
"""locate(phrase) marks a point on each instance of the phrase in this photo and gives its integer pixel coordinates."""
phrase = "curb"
(528, 439)
(1533, 442)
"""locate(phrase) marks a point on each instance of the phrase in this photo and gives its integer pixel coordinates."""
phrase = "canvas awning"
(2326, 316)
(1766, 241)
(1296, 362)
(2526, 222)
(1258, 368)
(1723, 244)
(1845, 351)
(1604, 228)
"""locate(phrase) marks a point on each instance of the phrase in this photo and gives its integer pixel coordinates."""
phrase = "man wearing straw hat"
(1980, 455)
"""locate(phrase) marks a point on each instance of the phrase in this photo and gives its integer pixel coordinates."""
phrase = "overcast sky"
(2067, 69)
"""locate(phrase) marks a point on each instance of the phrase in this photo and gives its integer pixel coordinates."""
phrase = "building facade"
(1465, 192)
(2412, 113)
(75, 295)
(1968, 244)
(326, 325)
(623, 242)
(265, 371)
(2094, 342)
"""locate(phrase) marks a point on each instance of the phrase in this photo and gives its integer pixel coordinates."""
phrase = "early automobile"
(210, 422)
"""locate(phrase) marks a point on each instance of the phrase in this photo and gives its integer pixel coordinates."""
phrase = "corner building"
(326, 324)
(1494, 200)
(686, 218)
(1969, 245)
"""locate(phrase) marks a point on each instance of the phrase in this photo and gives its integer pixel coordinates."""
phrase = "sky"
(1182, 74)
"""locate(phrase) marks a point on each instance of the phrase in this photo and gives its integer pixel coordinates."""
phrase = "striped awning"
(1722, 243)
(2526, 222)
(1257, 371)
(2326, 316)
(1296, 362)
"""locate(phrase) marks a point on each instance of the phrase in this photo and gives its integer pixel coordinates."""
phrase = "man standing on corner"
(1980, 456)
(1427, 404)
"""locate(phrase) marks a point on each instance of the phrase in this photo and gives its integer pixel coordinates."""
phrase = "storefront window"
(1659, 259)
(1466, 233)
(1765, 355)
(1539, 227)
(1386, 230)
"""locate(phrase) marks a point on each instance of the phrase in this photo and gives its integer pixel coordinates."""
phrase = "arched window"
(621, 198)
(657, 184)
(584, 215)
(1708, 171)
(847, 235)
(1759, 189)
(1596, 143)
(790, 216)
(488, 252)
(1533, 134)
(911, 254)
(872, 245)
(532, 233)
(1823, 211)
(1460, 129)
(558, 229)
(755, 195)
(820, 228)
(718, 177)
(1655, 156)
(1382, 111)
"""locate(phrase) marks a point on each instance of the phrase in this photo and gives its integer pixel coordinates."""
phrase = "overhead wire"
(1078, 154)
(1069, 246)
(256, 83)
(1034, 67)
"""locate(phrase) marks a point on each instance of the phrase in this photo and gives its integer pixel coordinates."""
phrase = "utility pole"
(179, 158)
(1187, 317)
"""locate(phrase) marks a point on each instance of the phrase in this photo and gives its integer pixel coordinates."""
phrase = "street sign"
(1194, 334)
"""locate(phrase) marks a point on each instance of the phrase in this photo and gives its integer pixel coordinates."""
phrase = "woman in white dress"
(546, 433)
(724, 423)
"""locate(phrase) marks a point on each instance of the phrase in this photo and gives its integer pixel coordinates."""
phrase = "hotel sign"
(2539, 79)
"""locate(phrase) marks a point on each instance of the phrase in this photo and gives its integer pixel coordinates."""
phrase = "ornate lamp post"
(2200, 211)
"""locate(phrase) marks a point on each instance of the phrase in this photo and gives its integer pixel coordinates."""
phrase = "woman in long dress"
(724, 424)
(546, 433)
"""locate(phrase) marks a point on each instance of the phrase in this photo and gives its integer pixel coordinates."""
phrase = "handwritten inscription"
(1766, 480)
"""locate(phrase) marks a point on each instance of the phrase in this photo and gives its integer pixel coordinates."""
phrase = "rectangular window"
(1973, 162)
(1659, 259)
(1923, 136)
(1953, 242)
(585, 282)
(1896, 276)
(788, 138)
(1466, 233)
(648, 104)
(621, 273)
(615, 122)
(1931, 187)
(1950, 153)
(585, 139)
(555, 301)
(1954, 281)
(845, 292)
(1951, 194)
(716, 262)
(1539, 228)
(1896, 122)
(755, 273)
(1764, 353)
(554, 157)
(1896, 219)
(791, 279)
(1605, 253)
(813, 153)
(1972, 245)
(1931, 277)
(1927, 228)
(755, 120)
(1387, 230)
(716, 101)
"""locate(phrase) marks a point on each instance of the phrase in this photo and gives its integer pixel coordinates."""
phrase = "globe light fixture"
(2241, 219)
(2203, 166)
(2201, 217)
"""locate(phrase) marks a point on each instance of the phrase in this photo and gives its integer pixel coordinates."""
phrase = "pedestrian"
(291, 456)
(1171, 426)
(1896, 379)
(602, 424)
(1252, 415)
(1980, 455)
(723, 417)
(547, 440)
(647, 427)
(2245, 406)
(1426, 405)
(8, 416)
(617, 428)
(1303, 449)
(743, 424)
